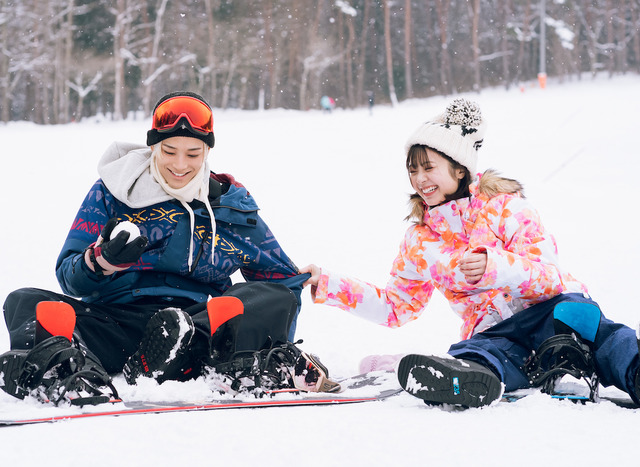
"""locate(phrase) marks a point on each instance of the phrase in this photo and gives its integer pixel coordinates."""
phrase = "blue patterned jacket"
(243, 242)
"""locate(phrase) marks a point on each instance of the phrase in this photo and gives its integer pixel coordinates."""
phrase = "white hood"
(124, 169)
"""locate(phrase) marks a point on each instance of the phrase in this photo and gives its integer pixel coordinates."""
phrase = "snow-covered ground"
(333, 188)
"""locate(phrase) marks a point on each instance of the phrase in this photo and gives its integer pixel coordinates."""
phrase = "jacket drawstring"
(197, 188)
(192, 230)
(213, 227)
(192, 224)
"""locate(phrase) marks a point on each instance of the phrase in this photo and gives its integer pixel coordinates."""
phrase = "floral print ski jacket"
(522, 267)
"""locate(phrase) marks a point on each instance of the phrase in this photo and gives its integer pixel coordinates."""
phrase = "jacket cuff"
(322, 291)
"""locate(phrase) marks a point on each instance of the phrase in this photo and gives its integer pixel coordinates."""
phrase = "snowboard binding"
(277, 367)
(558, 356)
(55, 371)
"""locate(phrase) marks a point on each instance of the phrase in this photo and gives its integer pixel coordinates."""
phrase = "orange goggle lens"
(169, 113)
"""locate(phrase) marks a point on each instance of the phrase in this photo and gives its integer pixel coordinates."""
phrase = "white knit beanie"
(458, 133)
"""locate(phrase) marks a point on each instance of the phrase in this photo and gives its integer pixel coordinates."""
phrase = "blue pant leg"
(616, 355)
(614, 345)
(504, 357)
(507, 345)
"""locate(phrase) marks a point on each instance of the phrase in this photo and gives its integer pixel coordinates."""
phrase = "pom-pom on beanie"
(457, 133)
(183, 128)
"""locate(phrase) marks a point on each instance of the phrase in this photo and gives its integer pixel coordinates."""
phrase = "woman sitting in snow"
(150, 254)
(483, 246)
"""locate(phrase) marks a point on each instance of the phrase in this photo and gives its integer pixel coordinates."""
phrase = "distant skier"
(327, 103)
(371, 100)
(484, 247)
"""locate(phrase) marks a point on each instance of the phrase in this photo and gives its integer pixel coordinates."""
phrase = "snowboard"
(624, 402)
(374, 386)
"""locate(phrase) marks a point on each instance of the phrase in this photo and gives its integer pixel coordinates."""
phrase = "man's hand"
(109, 255)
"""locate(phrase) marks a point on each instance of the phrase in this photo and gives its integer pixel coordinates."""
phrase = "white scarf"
(197, 188)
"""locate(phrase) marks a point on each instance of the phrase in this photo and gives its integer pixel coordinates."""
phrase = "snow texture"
(333, 188)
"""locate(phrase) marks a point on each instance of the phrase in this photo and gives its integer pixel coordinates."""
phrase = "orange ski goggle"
(170, 112)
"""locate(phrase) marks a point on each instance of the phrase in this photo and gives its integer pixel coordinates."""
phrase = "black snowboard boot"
(454, 381)
(163, 353)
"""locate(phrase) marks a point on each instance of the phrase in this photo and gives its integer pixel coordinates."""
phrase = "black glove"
(116, 251)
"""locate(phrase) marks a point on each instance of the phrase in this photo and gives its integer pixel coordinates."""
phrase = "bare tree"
(635, 27)
(523, 39)
(83, 91)
(361, 58)
(5, 77)
(118, 58)
(211, 56)
(408, 34)
(474, 5)
(153, 68)
(346, 16)
(504, 41)
(388, 52)
(265, 54)
(442, 9)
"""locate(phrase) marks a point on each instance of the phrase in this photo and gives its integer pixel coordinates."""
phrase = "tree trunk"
(635, 24)
(408, 33)
(118, 59)
(270, 76)
(304, 83)
(211, 57)
(226, 88)
(506, 76)
(387, 46)
(521, 73)
(475, 43)
(361, 68)
(345, 21)
(442, 10)
(68, 54)
(5, 78)
(152, 63)
(611, 50)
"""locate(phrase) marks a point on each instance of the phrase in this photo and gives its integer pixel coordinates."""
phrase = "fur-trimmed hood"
(490, 184)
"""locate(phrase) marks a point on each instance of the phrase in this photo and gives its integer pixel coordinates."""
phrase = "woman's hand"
(315, 272)
(473, 266)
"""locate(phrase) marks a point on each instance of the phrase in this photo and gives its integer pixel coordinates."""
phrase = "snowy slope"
(333, 189)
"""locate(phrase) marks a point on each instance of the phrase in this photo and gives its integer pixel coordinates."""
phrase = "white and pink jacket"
(522, 267)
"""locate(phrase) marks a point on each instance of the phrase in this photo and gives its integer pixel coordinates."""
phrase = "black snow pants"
(112, 332)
